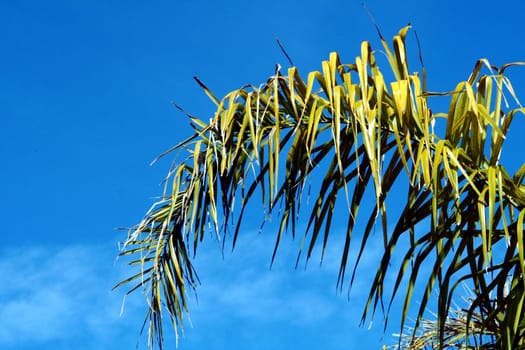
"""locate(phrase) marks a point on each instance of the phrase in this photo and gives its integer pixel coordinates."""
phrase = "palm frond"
(357, 134)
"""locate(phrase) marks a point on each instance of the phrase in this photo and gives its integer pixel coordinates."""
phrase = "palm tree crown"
(462, 212)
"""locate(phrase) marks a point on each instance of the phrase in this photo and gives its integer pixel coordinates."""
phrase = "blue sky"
(85, 105)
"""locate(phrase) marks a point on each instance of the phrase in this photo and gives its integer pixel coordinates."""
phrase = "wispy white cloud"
(60, 297)
(241, 296)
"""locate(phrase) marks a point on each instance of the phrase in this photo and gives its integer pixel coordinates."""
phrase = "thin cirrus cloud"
(59, 297)
(299, 306)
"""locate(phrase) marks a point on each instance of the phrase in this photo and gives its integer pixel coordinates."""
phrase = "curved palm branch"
(463, 329)
(346, 125)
